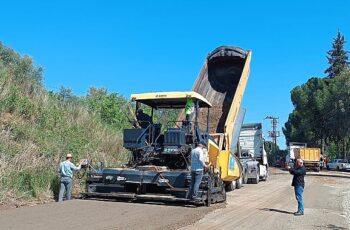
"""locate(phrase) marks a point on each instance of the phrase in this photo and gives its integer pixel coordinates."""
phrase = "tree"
(112, 108)
(272, 153)
(307, 122)
(337, 57)
(66, 96)
(339, 121)
(321, 106)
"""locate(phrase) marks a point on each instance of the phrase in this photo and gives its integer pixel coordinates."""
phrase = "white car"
(338, 164)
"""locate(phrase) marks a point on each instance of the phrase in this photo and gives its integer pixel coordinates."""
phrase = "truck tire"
(231, 186)
(239, 182)
(245, 178)
(208, 200)
(256, 179)
(266, 176)
(223, 192)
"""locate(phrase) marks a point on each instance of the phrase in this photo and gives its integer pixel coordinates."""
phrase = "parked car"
(338, 164)
(278, 164)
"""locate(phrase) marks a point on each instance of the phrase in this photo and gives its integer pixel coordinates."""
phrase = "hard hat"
(69, 155)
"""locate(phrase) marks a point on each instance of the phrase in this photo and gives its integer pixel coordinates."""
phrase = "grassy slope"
(37, 129)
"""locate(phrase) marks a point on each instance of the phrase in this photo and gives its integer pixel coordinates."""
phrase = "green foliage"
(66, 97)
(166, 117)
(321, 111)
(272, 152)
(111, 108)
(332, 151)
(321, 106)
(337, 57)
(38, 128)
(15, 101)
(307, 121)
(20, 69)
(29, 182)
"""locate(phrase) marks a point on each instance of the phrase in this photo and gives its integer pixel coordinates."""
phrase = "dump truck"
(252, 153)
(310, 156)
(222, 80)
(160, 165)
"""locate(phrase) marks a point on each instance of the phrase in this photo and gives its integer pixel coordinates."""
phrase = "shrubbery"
(37, 129)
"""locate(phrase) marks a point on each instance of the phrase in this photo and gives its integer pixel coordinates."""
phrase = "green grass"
(38, 128)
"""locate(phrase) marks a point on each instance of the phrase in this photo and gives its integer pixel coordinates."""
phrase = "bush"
(40, 127)
(29, 182)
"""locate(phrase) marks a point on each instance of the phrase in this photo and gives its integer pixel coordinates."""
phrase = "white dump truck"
(292, 148)
(252, 153)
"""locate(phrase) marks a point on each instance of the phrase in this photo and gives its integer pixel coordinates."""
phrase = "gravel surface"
(93, 214)
(268, 205)
(346, 207)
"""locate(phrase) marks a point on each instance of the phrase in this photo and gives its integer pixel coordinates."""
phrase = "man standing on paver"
(65, 170)
(197, 168)
(299, 173)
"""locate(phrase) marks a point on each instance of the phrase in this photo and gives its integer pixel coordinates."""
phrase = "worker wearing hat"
(197, 168)
(65, 170)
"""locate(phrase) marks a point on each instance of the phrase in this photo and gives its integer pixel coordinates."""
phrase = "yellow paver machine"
(161, 154)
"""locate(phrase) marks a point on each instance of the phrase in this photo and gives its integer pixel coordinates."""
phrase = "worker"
(197, 168)
(144, 119)
(65, 170)
(322, 162)
(298, 172)
(189, 109)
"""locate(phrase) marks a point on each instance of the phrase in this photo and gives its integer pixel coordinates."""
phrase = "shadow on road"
(155, 203)
(346, 175)
(329, 175)
(332, 226)
(277, 210)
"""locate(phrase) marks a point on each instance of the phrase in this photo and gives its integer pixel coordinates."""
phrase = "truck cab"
(167, 145)
(252, 153)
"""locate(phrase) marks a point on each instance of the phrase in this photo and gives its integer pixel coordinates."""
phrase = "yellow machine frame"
(221, 156)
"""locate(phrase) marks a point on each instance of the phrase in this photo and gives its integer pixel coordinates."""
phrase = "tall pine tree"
(337, 57)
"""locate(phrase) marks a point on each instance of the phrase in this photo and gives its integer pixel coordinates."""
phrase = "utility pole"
(274, 133)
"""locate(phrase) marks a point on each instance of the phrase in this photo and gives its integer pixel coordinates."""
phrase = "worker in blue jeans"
(299, 173)
(65, 170)
(197, 168)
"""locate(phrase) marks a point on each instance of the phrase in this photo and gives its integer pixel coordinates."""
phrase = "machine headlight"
(96, 176)
(121, 178)
(162, 180)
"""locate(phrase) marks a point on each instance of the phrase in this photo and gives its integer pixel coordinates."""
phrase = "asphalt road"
(268, 205)
(271, 205)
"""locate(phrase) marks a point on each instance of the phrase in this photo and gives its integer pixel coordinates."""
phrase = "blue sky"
(140, 46)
